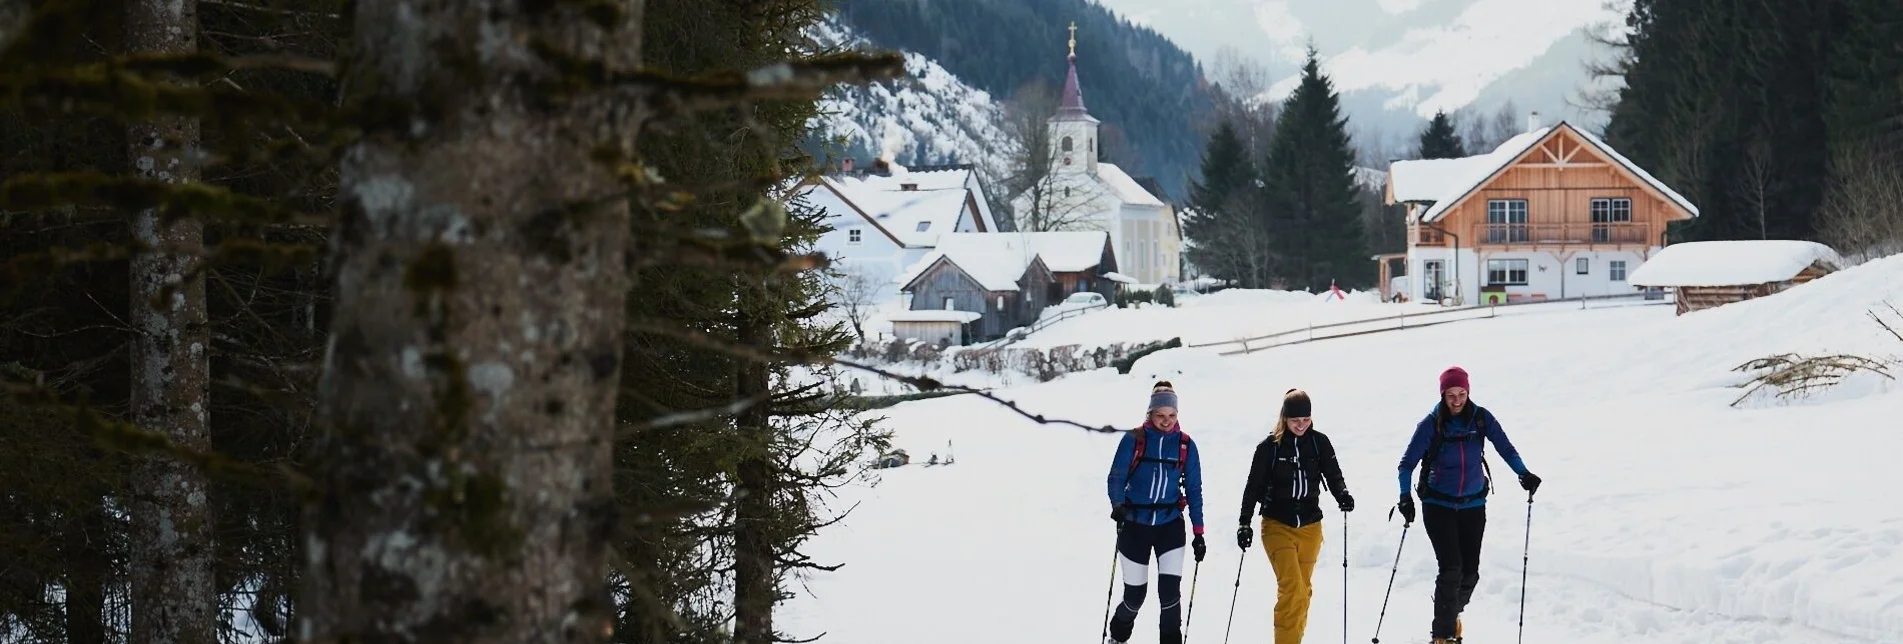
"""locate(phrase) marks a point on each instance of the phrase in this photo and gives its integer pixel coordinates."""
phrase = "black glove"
(1244, 536)
(1531, 482)
(1117, 513)
(1198, 546)
(1407, 508)
(1346, 502)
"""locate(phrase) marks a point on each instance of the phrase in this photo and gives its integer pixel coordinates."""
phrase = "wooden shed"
(995, 275)
(937, 326)
(1709, 274)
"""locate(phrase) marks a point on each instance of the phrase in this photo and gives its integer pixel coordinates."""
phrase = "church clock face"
(1067, 160)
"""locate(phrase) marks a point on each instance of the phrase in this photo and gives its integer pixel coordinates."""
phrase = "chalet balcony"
(1548, 234)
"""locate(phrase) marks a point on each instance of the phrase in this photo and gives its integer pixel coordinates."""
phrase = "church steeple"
(1073, 131)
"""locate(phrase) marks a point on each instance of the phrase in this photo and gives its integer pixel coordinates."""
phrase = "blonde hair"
(1281, 420)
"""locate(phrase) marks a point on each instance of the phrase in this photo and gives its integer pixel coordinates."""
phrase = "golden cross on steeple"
(1073, 38)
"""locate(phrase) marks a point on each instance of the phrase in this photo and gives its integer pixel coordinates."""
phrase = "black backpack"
(1483, 419)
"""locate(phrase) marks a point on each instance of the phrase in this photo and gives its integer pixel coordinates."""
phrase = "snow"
(1667, 516)
(1222, 316)
(934, 315)
(1126, 189)
(1732, 263)
(997, 260)
(1429, 179)
(1479, 168)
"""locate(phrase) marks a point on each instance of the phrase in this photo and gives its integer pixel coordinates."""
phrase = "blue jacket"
(1154, 482)
(1457, 471)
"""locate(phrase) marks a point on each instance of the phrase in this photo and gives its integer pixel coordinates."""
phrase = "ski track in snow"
(1761, 523)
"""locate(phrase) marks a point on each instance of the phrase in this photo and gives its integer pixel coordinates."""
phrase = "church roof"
(1125, 188)
(1071, 106)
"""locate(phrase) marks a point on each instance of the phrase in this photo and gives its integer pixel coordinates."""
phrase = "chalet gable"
(1449, 183)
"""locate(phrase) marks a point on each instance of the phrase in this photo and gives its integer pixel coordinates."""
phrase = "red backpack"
(1182, 459)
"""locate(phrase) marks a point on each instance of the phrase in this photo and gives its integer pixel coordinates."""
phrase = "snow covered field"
(1667, 515)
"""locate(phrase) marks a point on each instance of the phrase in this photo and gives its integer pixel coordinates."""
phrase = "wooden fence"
(1399, 322)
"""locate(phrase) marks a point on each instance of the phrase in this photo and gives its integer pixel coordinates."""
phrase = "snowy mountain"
(1395, 61)
(927, 117)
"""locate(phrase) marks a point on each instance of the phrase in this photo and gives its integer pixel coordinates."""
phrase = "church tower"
(1073, 130)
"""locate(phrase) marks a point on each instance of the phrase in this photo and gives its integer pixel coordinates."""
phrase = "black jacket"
(1286, 478)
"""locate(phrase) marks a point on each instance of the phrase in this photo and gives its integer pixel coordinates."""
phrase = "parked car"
(1085, 298)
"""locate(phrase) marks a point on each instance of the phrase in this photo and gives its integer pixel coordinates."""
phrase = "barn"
(1708, 274)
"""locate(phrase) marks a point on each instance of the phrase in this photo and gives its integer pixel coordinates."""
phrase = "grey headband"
(1162, 399)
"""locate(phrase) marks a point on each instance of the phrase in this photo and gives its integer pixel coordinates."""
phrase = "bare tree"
(856, 290)
(1484, 132)
(1043, 199)
(174, 596)
(1759, 176)
(1862, 213)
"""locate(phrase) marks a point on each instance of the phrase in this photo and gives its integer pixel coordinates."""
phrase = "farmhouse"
(1007, 278)
(1551, 213)
(1703, 275)
(885, 219)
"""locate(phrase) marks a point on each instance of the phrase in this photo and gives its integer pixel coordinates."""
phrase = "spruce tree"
(1439, 140)
(1316, 224)
(1227, 232)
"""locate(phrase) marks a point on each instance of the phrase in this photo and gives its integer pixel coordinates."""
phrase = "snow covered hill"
(1395, 60)
(927, 117)
(1667, 515)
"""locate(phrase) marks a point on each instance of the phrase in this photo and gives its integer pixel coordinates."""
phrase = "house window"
(923, 225)
(1581, 263)
(1066, 192)
(1506, 220)
(1001, 303)
(1617, 268)
(949, 306)
(1607, 211)
(1506, 272)
(854, 236)
(1067, 144)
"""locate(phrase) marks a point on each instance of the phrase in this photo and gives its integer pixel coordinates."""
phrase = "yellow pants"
(1292, 553)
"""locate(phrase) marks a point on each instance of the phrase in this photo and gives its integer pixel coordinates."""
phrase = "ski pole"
(1194, 574)
(1391, 574)
(1232, 596)
(1344, 578)
(1107, 594)
(1525, 549)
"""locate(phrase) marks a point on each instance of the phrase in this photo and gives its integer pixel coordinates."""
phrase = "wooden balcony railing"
(1625, 233)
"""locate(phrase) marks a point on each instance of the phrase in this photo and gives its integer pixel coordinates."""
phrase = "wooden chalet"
(1551, 213)
(1709, 274)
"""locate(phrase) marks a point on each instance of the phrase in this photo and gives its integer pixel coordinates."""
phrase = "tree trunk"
(755, 590)
(174, 599)
(86, 572)
(467, 403)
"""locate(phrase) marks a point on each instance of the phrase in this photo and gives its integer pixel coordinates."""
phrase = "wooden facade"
(1698, 298)
(1560, 194)
(946, 285)
(1090, 279)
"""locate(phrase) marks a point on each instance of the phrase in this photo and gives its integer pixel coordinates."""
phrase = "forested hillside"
(1801, 139)
(1148, 92)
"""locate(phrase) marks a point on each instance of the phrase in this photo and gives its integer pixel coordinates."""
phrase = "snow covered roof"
(997, 260)
(1732, 263)
(934, 315)
(1446, 181)
(1125, 188)
(1068, 252)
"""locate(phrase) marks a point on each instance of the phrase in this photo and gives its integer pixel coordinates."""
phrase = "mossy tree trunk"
(463, 469)
(174, 597)
(755, 550)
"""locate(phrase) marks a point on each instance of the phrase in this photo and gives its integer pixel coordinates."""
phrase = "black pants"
(1456, 535)
(1135, 542)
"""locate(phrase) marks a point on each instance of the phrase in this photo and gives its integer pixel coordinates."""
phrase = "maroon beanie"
(1454, 377)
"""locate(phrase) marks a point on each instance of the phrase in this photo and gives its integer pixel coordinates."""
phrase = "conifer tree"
(1230, 241)
(1439, 140)
(1316, 224)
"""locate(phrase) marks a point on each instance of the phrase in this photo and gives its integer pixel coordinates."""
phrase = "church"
(1083, 193)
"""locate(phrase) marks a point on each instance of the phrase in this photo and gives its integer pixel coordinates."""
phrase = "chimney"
(846, 165)
(881, 167)
(1533, 121)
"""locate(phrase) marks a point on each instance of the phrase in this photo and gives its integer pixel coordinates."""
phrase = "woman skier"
(1454, 486)
(1152, 463)
(1286, 476)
